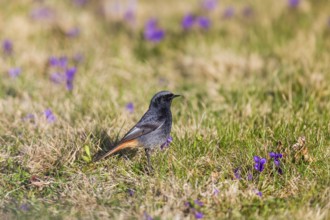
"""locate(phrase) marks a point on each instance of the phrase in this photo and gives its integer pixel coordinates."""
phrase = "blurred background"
(76, 72)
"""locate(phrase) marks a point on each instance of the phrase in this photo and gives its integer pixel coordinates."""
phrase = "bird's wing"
(141, 129)
(129, 140)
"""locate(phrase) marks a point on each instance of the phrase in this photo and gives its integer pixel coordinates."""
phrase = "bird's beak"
(174, 96)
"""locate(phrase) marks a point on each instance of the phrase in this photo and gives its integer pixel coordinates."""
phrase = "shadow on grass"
(107, 144)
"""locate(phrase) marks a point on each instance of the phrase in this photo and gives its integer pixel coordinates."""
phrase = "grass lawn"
(76, 76)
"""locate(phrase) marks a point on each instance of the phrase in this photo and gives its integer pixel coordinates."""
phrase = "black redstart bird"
(153, 129)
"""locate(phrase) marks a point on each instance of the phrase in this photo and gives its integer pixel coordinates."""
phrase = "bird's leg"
(148, 159)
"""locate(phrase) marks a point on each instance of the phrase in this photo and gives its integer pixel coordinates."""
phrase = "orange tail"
(132, 143)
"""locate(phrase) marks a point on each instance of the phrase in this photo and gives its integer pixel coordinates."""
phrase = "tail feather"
(131, 143)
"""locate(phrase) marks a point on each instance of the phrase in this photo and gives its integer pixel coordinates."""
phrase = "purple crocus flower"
(152, 32)
(73, 32)
(199, 215)
(146, 216)
(49, 115)
(7, 47)
(198, 202)
(130, 107)
(167, 143)
(188, 21)
(25, 207)
(209, 4)
(61, 62)
(276, 157)
(259, 193)
(130, 16)
(237, 173)
(57, 78)
(130, 11)
(42, 13)
(14, 72)
(53, 61)
(259, 163)
(70, 74)
(204, 22)
(229, 12)
(293, 3)
(130, 192)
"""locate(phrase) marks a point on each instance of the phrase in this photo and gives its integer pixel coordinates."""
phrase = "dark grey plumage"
(153, 129)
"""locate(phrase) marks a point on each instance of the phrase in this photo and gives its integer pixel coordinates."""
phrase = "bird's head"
(162, 99)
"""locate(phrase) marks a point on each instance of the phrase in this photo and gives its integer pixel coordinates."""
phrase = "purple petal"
(42, 13)
(256, 159)
(63, 62)
(209, 4)
(229, 12)
(57, 78)
(188, 21)
(152, 32)
(263, 161)
(293, 3)
(155, 35)
(151, 23)
(69, 85)
(259, 193)
(7, 47)
(25, 207)
(70, 73)
(272, 155)
(197, 202)
(49, 115)
(130, 16)
(167, 143)
(14, 72)
(130, 192)
(237, 173)
(53, 61)
(277, 163)
(130, 107)
(73, 32)
(204, 22)
(256, 166)
(262, 167)
(199, 215)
